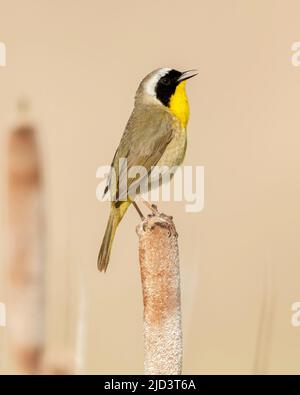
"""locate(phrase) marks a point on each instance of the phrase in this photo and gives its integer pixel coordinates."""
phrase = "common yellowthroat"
(155, 135)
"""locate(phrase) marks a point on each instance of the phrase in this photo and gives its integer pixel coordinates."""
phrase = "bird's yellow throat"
(179, 104)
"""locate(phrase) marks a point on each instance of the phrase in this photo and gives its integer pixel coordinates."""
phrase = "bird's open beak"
(187, 74)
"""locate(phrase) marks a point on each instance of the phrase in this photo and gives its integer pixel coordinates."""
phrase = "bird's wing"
(147, 134)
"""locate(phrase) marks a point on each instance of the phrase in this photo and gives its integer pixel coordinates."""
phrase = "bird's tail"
(116, 214)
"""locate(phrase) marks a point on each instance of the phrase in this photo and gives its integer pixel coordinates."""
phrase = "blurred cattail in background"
(26, 263)
(265, 324)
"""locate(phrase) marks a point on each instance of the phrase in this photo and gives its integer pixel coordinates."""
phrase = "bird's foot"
(152, 207)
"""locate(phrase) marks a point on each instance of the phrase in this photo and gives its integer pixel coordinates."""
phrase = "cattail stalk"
(160, 275)
(25, 317)
(265, 324)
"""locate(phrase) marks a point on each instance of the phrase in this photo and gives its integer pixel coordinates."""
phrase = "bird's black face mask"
(166, 86)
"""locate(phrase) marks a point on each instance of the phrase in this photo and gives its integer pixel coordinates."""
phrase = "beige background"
(79, 62)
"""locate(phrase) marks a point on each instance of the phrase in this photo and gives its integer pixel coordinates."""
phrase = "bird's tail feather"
(116, 214)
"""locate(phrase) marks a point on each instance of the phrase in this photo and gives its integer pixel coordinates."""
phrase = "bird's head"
(161, 84)
(166, 87)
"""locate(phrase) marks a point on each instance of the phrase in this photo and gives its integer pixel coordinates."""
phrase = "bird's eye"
(165, 81)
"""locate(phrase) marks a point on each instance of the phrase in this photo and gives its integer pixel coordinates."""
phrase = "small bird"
(155, 135)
